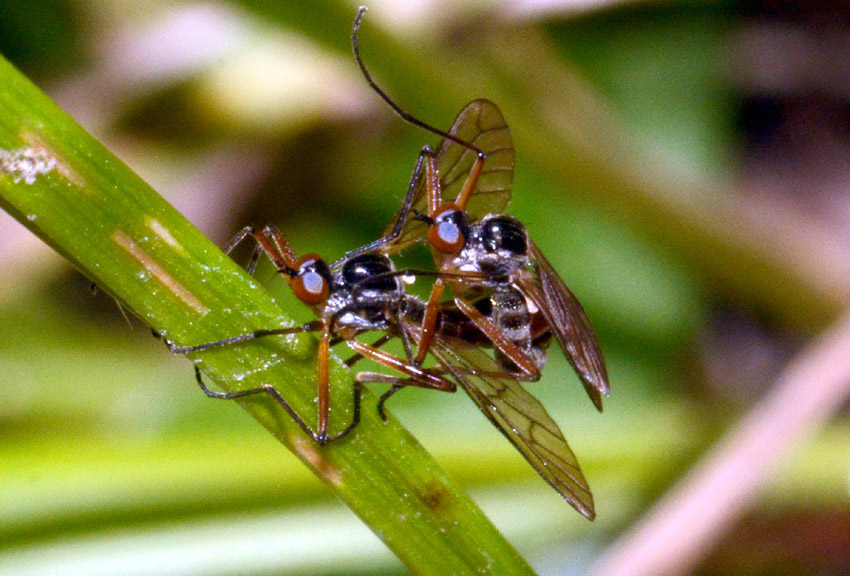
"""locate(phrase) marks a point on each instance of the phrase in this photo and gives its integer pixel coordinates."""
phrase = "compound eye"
(311, 285)
(310, 288)
(448, 232)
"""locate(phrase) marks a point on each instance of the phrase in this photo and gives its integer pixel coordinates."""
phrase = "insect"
(454, 203)
(345, 305)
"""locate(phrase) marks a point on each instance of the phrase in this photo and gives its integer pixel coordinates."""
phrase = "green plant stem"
(70, 191)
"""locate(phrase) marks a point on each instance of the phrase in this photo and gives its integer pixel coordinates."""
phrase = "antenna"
(406, 116)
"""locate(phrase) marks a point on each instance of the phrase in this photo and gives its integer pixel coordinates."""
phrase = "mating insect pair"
(488, 339)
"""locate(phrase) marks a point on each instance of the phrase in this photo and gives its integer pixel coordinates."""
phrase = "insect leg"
(323, 388)
(269, 241)
(426, 156)
(240, 236)
(383, 400)
(530, 370)
(323, 385)
(275, 394)
(309, 327)
(433, 187)
(429, 323)
(395, 382)
(376, 344)
(419, 377)
(471, 182)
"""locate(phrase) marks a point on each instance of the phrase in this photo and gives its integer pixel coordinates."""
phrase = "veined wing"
(568, 320)
(481, 124)
(519, 416)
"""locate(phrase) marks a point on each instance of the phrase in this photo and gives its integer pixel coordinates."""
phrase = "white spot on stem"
(25, 164)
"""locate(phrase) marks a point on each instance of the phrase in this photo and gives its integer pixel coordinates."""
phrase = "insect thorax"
(365, 291)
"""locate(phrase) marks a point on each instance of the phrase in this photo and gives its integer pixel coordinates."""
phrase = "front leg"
(308, 327)
(426, 165)
(321, 437)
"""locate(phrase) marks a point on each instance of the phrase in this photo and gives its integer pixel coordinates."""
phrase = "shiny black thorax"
(364, 294)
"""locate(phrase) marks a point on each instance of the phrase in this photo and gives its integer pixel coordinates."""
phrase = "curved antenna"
(406, 116)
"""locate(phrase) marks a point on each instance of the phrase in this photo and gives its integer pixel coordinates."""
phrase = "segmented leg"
(427, 156)
(318, 437)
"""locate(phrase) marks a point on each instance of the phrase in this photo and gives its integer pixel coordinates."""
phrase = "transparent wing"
(481, 124)
(569, 322)
(519, 416)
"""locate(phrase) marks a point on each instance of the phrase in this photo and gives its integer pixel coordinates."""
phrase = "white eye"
(448, 232)
(313, 283)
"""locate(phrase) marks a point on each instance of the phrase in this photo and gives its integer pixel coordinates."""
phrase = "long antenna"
(406, 116)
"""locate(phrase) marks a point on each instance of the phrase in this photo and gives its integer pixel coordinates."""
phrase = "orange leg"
(270, 241)
(470, 184)
(323, 386)
(319, 436)
(429, 323)
(419, 377)
(499, 340)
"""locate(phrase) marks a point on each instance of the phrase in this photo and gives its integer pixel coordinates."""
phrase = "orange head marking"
(449, 231)
(312, 280)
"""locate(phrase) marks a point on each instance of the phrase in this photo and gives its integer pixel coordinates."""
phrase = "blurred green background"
(683, 165)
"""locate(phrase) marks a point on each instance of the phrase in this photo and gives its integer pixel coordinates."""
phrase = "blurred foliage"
(630, 55)
(114, 462)
(43, 37)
